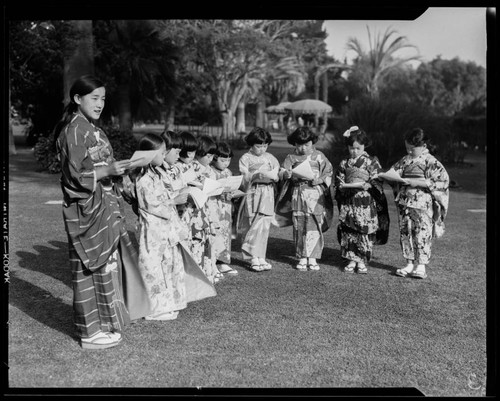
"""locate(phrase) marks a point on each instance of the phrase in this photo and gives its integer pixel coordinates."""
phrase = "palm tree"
(143, 64)
(380, 57)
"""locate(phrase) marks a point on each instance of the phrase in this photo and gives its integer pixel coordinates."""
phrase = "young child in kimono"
(185, 164)
(422, 203)
(260, 175)
(205, 220)
(220, 165)
(363, 212)
(306, 199)
(160, 232)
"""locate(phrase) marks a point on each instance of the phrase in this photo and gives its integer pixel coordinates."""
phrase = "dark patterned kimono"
(108, 289)
(309, 208)
(421, 212)
(363, 214)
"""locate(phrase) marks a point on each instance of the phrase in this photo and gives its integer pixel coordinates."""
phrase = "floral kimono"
(309, 208)
(363, 214)
(203, 222)
(256, 211)
(162, 259)
(224, 207)
(421, 211)
(108, 289)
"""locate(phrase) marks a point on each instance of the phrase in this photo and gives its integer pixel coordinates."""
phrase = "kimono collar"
(96, 130)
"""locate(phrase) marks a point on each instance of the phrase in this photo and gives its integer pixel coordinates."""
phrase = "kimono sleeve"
(325, 170)
(78, 171)
(153, 198)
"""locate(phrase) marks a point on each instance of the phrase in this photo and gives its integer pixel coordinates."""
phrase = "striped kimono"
(256, 211)
(363, 214)
(108, 289)
(421, 212)
(309, 208)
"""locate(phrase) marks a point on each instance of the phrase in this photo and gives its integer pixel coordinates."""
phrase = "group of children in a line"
(185, 249)
(275, 194)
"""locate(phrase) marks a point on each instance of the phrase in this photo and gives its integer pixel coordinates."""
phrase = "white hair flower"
(347, 134)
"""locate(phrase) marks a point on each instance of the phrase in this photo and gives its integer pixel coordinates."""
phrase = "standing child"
(260, 175)
(307, 200)
(108, 291)
(422, 202)
(160, 233)
(220, 165)
(363, 212)
(185, 164)
(205, 221)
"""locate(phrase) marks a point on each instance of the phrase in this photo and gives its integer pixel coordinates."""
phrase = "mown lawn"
(277, 330)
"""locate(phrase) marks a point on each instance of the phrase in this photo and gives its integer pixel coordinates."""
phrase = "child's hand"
(229, 195)
(181, 199)
(366, 186)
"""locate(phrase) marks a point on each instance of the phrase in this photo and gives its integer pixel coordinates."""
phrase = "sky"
(448, 32)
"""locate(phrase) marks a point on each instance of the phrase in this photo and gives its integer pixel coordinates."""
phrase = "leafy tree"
(36, 59)
(450, 86)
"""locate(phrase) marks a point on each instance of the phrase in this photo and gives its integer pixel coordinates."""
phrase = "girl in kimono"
(185, 164)
(306, 199)
(108, 291)
(363, 212)
(160, 232)
(205, 220)
(260, 175)
(220, 165)
(422, 203)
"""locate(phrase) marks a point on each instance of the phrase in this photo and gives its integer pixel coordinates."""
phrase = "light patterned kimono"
(256, 210)
(160, 234)
(224, 208)
(204, 223)
(363, 214)
(310, 207)
(421, 211)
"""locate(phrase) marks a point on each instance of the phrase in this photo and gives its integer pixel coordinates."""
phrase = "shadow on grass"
(39, 304)
(47, 260)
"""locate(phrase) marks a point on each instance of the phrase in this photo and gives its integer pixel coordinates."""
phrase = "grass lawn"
(282, 329)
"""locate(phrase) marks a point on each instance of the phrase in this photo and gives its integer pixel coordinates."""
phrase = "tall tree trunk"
(79, 56)
(12, 144)
(325, 87)
(170, 115)
(240, 117)
(227, 124)
(124, 109)
(259, 112)
(316, 87)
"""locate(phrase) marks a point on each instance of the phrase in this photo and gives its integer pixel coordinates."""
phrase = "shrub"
(123, 144)
(387, 121)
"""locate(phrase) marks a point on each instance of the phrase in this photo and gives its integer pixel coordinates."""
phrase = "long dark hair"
(82, 86)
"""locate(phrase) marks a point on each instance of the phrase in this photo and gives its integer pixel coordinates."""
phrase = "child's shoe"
(256, 266)
(419, 272)
(405, 270)
(302, 265)
(362, 268)
(350, 267)
(313, 265)
(264, 264)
